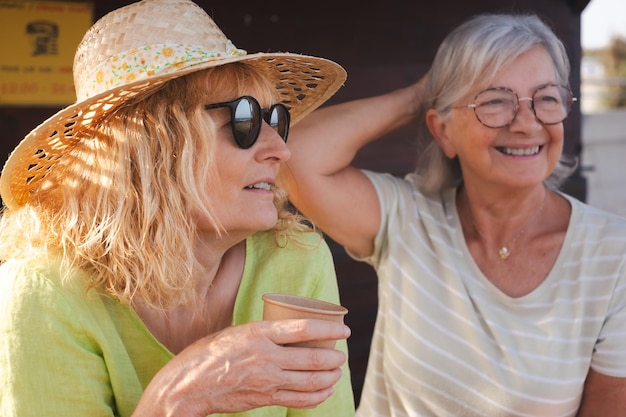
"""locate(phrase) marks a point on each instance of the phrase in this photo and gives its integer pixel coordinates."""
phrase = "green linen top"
(68, 352)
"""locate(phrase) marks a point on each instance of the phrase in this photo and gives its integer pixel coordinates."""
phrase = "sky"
(602, 19)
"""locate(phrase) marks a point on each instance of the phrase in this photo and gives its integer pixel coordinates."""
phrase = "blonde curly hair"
(125, 212)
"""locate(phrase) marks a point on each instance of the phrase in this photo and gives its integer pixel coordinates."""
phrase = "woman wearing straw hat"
(498, 294)
(142, 226)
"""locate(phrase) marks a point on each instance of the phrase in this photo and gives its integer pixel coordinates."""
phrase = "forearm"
(327, 140)
(603, 396)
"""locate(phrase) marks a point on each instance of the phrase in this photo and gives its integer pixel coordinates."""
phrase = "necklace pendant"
(504, 253)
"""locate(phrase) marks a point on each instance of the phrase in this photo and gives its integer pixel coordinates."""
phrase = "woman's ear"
(437, 127)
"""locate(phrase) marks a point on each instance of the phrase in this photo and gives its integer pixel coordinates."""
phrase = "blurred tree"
(615, 63)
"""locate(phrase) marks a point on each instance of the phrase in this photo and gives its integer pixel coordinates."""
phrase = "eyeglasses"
(498, 106)
(246, 118)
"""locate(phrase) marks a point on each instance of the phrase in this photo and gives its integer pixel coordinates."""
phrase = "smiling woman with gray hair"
(499, 295)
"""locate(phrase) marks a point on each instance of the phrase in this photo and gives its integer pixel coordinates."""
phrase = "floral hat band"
(141, 63)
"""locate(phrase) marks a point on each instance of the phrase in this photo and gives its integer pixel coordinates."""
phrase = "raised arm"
(321, 182)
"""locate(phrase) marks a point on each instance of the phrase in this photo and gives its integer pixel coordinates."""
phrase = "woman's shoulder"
(595, 218)
(41, 272)
(270, 264)
(597, 231)
(294, 243)
(39, 282)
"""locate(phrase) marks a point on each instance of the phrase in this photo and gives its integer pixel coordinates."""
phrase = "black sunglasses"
(246, 118)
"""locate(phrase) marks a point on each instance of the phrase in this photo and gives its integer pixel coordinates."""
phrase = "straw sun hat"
(135, 49)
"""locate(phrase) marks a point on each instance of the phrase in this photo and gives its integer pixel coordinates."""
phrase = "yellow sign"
(39, 39)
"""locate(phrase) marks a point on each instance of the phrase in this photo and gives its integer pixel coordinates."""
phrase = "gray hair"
(469, 58)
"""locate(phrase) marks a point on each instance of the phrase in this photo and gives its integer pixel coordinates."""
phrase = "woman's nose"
(526, 111)
(272, 145)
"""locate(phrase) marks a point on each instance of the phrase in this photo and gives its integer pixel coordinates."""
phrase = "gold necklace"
(504, 252)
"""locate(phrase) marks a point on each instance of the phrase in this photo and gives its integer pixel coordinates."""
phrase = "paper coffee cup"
(286, 306)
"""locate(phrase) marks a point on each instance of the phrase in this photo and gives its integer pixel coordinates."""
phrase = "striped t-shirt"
(447, 342)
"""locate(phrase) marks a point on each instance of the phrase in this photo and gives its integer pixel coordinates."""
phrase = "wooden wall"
(383, 45)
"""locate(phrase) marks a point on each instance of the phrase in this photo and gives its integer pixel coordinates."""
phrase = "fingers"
(298, 389)
(287, 332)
(298, 399)
(286, 398)
(310, 359)
(310, 381)
(284, 332)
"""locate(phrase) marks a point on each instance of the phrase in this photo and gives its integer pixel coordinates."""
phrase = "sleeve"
(48, 365)
(609, 356)
(390, 191)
